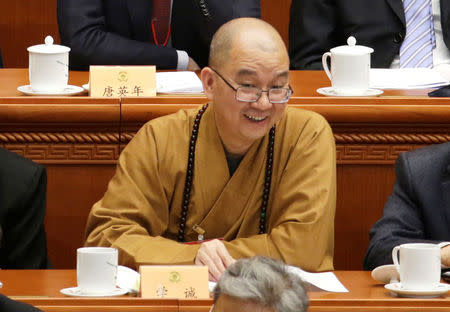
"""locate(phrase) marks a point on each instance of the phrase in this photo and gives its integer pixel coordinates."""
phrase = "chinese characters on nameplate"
(174, 282)
(122, 81)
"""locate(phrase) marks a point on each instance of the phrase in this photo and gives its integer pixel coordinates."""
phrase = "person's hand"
(445, 256)
(215, 256)
(192, 65)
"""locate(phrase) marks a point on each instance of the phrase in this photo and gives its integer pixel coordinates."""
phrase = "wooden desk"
(41, 288)
(79, 139)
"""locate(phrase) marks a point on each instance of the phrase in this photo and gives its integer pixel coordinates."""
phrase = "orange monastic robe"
(140, 210)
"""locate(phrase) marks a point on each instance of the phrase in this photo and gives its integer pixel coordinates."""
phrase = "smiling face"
(255, 59)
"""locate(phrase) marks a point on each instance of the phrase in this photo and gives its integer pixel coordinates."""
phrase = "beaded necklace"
(190, 174)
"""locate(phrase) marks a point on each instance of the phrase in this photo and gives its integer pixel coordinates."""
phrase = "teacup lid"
(48, 47)
(351, 48)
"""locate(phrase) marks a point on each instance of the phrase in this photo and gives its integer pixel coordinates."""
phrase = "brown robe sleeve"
(133, 215)
(301, 220)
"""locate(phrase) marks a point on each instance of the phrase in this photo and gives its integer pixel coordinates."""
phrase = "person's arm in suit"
(402, 220)
(23, 242)
(82, 27)
(311, 32)
(194, 22)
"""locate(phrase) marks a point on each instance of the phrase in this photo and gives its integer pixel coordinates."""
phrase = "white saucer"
(386, 274)
(435, 292)
(86, 86)
(69, 90)
(75, 292)
(329, 91)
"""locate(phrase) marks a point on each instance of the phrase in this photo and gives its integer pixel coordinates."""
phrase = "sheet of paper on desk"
(178, 82)
(326, 281)
(406, 78)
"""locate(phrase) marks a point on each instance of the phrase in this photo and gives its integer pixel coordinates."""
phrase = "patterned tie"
(417, 48)
(161, 21)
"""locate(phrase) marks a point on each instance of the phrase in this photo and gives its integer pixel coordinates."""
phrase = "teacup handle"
(325, 57)
(395, 251)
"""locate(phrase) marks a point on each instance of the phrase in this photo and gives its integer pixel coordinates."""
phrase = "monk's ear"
(208, 80)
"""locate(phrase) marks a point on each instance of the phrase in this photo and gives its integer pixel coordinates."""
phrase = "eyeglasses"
(252, 94)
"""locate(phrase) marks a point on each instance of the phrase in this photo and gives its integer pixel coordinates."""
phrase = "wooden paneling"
(41, 288)
(356, 211)
(276, 13)
(71, 192)
(26, 22)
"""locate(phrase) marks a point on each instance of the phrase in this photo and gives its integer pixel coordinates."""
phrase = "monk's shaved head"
(241, 34)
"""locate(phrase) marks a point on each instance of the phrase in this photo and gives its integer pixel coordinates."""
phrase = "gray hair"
(265, 282)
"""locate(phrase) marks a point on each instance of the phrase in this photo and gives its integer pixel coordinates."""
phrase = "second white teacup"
(48, 66)
(97, 269)
(350, 68)
(418, 264)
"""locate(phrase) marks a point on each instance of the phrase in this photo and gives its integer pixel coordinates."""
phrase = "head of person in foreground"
(259, 284)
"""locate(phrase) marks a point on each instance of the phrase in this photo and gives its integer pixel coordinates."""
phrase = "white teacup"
(419, 265)
(48, 66)
(97, 269)
(350, 68)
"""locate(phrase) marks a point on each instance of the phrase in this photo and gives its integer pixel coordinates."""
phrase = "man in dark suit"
(119, 32)
(316, 26)
(22, 211)
(9, 305)
(418, 209)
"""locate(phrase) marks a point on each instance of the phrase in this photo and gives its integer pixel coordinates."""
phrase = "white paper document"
(406, 78)
(326, 281)
(178, 82)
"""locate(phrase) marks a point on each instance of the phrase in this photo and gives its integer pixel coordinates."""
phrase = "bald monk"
(242, 176)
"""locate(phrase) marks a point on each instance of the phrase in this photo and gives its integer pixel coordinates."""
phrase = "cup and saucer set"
(48, 70)
(99, 275)
(350, 70)
(416, 272)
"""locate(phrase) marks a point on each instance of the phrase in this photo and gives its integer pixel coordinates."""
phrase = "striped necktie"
(417, 48)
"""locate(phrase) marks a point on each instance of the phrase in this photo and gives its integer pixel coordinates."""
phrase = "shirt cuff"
(443, 244)
(183, 60)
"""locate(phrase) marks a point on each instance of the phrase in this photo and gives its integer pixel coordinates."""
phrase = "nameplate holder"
(174, 282)
(122, 81)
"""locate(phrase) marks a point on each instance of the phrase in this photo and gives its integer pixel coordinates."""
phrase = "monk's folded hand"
(215, 256)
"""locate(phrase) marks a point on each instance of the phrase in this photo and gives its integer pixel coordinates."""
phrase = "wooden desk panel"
(41, 288)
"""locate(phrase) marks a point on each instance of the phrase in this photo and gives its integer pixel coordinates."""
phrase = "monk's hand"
(445, 256)
(215, 256)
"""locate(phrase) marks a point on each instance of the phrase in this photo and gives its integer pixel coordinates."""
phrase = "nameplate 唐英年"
(122, 81)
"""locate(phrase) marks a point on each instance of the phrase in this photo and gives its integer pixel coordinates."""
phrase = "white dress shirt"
(441, 54)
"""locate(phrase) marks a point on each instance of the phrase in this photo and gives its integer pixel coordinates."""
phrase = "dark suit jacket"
(118, 32)
(22, 211)
(418, 209)
(316, 26)
(9, 305)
